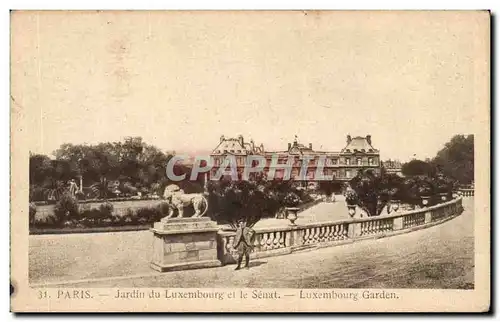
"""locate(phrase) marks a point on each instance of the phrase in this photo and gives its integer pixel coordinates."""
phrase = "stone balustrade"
(285, 240)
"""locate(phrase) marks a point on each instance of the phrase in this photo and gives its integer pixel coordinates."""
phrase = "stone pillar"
(184, 243)
(397, 223)
(354, 230)
(289, 238)
(296, 237)
(428, 216)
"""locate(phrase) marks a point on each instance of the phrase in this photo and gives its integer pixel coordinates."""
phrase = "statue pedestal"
(184, 243)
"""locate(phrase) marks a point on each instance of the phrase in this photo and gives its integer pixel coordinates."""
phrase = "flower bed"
(68, 214)
(43, 203)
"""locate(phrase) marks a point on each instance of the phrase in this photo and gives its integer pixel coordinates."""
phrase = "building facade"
(393, 166)
(343, 165)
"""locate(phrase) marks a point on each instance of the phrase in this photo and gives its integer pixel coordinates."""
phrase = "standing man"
(243, 243)
(73, 188)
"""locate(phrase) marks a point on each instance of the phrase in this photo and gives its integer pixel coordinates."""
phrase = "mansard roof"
(237, 146)
(359, 144)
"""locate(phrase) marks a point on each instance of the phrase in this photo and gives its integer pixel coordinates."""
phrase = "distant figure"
(243, 243)
(73, 187)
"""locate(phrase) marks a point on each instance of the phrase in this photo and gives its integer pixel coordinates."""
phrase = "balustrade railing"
(466, 192)
(376, 226)
(414, 219)
(283, 240)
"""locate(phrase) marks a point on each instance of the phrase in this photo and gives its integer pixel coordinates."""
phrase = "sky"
(181, 80)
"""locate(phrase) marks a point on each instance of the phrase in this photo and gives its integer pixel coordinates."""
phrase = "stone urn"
(351, 210)
(425, 201)
(292, 215)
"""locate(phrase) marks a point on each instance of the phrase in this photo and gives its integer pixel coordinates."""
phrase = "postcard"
(250, 161)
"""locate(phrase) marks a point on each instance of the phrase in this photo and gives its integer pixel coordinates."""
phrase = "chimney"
(310, 146)
(221, 138)
(349, 139)
(240, 139)
(289, 146)
(369, 139)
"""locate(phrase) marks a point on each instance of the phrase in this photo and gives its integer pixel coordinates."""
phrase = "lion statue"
(178, 200)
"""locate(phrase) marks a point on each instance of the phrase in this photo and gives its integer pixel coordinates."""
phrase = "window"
(225, 151)
(232, 151)
(358, 161)
(347, 173)
(334, 172)
(333, 161)
(348, 161)
(370, 161)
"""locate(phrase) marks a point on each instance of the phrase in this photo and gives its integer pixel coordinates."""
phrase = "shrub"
(66, 208)
(106, 209)
(148, 214)
(94, 217)
(164, 208)
(129, 218)
(38, 193)
(91, 218)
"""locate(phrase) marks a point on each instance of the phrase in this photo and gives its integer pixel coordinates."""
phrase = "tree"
(40, 169)
(418, 168)
(66, 209)
(231, 201)
(132, 161)
(456, 159)
(374, 191)
(414, 188)
(329, 187)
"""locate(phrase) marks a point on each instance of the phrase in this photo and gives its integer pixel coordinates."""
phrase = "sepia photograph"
(222, 161)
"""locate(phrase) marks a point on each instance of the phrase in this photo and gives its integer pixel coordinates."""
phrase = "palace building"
(393, 166)
(343, 165)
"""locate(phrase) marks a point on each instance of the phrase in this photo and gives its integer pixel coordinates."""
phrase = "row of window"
(232, 151)
(356, 150)
(347, 161)
(239, 151)
(310, 175)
